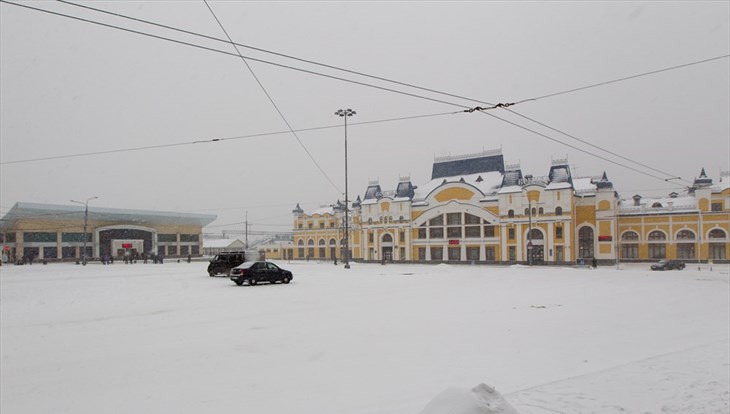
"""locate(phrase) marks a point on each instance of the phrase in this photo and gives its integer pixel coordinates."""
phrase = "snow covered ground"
(372, 339)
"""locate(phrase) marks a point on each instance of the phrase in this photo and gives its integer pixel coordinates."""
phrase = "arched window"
(630, 236)
(657, 235)
(718, 244)
(310, 248)
(685, 235)
(370, 220)
(527, 211)
(630, 245)
(322, 249)
(657, 205)
(685, 244)
(535, 234)
(534, 211)
(300, 248)
(585, 243)
(541, 211)
(387, 238)
(511, 213)
(657, 245)
(558, 211)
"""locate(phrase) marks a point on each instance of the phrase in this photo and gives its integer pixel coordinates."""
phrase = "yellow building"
(56, 232)
(476, 208)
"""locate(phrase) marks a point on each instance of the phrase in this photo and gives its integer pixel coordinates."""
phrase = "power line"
(283, 118)
(388, 80)
(653, 72)
(211, 140)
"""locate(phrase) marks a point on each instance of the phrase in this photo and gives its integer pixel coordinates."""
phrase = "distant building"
(56, 232)
(476, 208)
(212, 247)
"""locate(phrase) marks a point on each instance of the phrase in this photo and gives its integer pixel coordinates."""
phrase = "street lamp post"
(345, 113)
(86, 222)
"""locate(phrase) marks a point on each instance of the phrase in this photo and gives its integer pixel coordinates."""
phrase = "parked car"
(256, 272)
(225, 261)
(668, 265)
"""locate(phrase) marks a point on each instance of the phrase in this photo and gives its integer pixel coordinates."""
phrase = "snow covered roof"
(584, 186)
(452, 166)
(486, 182)
(658, 205)
(222, 243)
(22, 210)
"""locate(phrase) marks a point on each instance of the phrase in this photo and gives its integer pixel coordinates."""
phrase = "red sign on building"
(452, 242)
(605, 238)
(126, 245)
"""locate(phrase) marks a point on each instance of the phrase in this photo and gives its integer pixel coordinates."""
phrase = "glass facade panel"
(472, 253)
(489, 231)
(75, 237)
(39, 237)
(195, 250)
(471, 219)
(422, 253)
(453, 219)
(472, 231)
(453, 232)
(436, 221)
(489, 253)
(50, 252)
(167, 238)
(68, 252)
(454, 253)
(184, 250)
(437, 254)
(436, 233)
(189, 237)
(172, 250)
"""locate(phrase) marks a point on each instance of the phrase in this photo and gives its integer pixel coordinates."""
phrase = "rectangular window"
(167, 238)
(75, 237)
(321, 225)
(512, 253)
(300, 252)
(453, 232)
(300, 226)
(422, 253)
(172, 250)
(39, 237)
(194, 250)
(402, 253)
(50, 252)
(657, 251)
(685, 251)
(401, 236)
(489, 231)
(189, 238)
(489, 253)
(511, 234)
(436, 232)
(472, 231)
(559, 256)
(629, 251)
(184, 250)
(454, 253)
(453, 219)
(370, 237)
(472, 253)
(437, 254)
(558, 232)
(421, 232)
(716, 207)
(9, 238)
(717, 251)
(68, 252)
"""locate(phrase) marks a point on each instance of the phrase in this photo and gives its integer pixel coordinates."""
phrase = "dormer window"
(657, 205)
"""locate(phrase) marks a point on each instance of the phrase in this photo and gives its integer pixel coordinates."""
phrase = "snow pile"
(481, 399)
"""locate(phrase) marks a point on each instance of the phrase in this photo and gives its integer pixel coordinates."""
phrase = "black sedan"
(668, 265)
(255, 272)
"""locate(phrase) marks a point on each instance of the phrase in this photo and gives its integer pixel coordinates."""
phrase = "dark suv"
(224, 262)
(668, 265)
(255, 272)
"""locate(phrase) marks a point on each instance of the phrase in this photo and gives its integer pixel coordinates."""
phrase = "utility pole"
(529, 232)
(246, 230)
(86, 222)
(345, 113)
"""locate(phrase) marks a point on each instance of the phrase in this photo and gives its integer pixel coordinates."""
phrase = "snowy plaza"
(372, 339)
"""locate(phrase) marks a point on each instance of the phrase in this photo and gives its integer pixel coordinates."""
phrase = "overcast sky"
(70, 87)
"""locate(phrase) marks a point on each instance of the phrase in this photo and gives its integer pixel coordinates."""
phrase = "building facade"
(56, 232)
(476, 208)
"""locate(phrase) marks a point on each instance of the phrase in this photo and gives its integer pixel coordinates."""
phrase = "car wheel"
(211, 274)
(239, 282)
(285, 280)
(252, 282)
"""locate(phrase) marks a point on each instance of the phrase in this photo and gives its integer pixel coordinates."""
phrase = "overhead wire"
(401, 83)
(211, 140)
